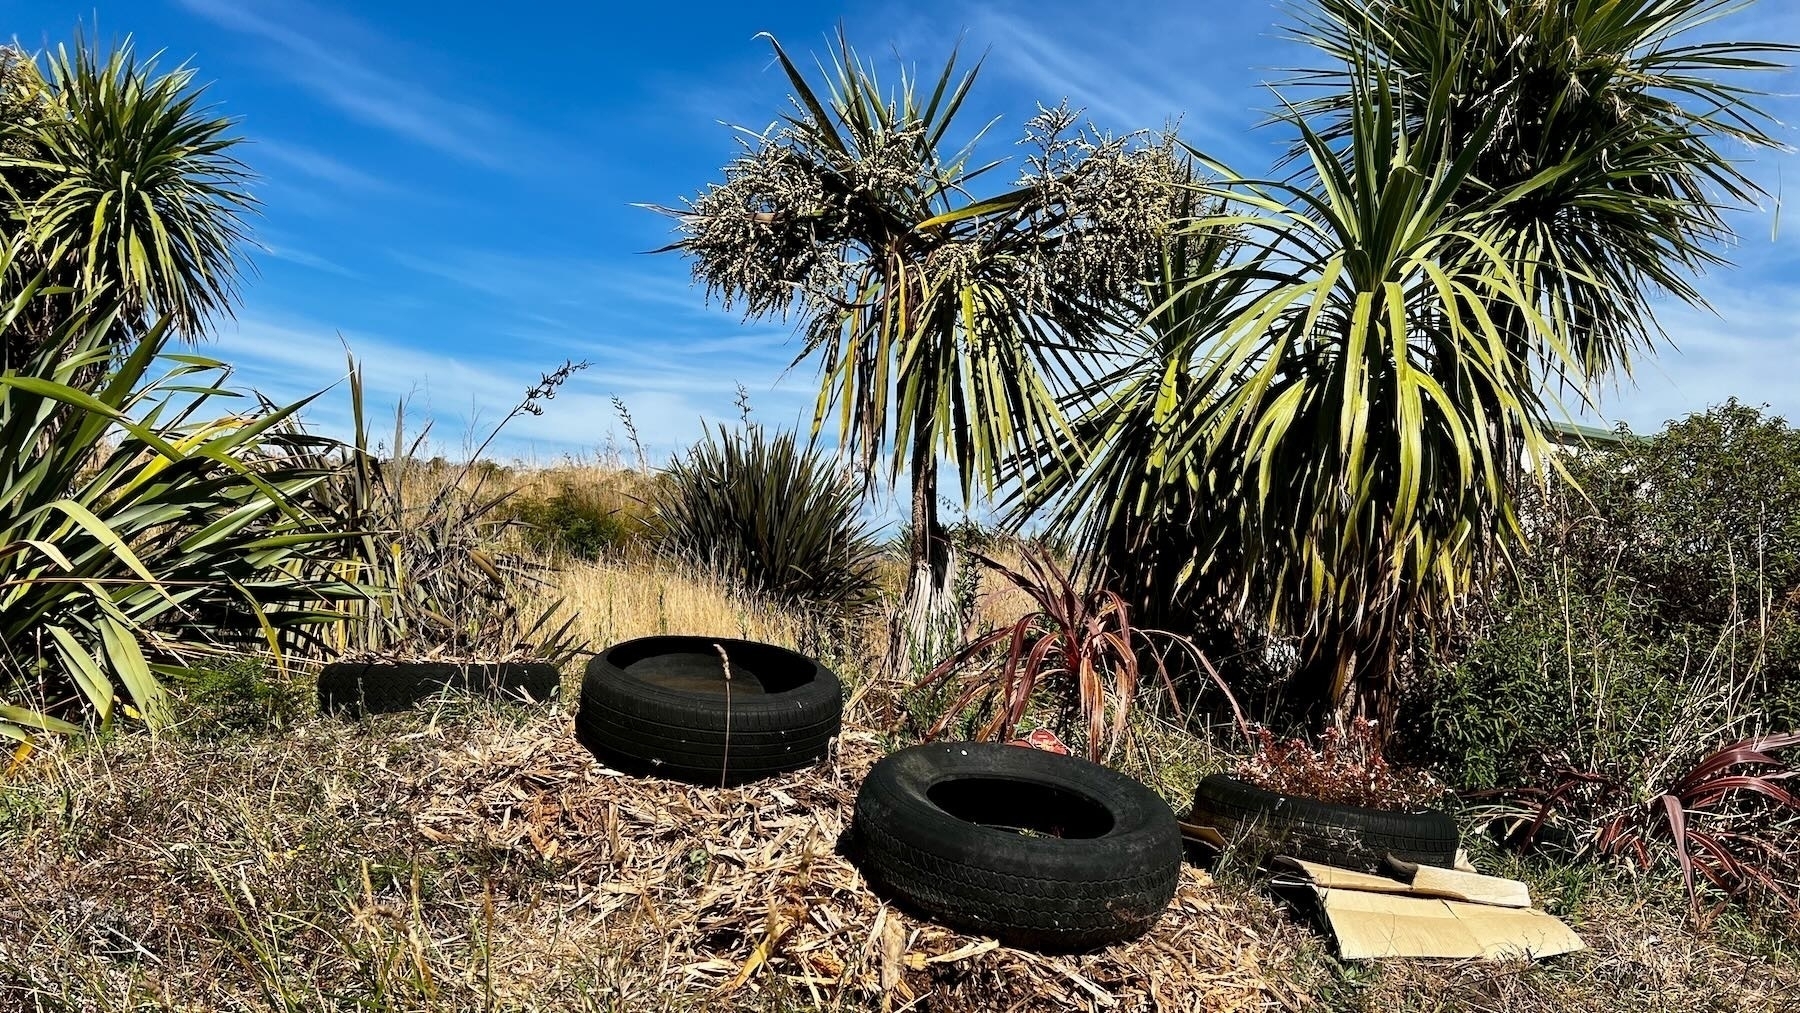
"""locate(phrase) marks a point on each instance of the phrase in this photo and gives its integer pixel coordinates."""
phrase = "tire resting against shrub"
(1040, 892)
(641, 727)
(1351, 837)
(352, 688)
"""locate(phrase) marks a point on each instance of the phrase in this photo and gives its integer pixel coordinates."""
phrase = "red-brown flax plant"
(1079, 646)
(1733, 820)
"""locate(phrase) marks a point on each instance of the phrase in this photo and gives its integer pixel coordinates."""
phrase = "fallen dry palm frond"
(485, 864)
(1079, 646)
(751, 888)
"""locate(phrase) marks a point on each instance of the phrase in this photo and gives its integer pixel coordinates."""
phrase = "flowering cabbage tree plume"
(942, 320)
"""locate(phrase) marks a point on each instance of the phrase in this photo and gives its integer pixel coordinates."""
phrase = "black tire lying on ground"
(1041, 850)
(1347, 836)
(378, 687)
(658, 705)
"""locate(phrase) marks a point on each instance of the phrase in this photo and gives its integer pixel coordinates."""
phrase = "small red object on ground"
(1042, 738)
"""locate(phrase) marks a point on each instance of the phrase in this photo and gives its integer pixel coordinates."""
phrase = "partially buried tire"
(663, 706)
(1042, 851)
(350, 689)
(1347, 836)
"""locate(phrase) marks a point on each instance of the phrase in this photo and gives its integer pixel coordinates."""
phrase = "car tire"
(1042, 851)
(1346, 836)
(659, 705)
(351, 689)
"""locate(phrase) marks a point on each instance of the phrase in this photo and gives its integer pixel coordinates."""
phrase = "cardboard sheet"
(1202, 833)
(1423, 911)
(1451, 884)
(1421, 881)
(1369, 925)
(1375, 916)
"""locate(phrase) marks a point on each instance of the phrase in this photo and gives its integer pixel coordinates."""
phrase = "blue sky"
(449, 186)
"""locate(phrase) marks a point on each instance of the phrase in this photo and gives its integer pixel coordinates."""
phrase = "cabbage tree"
(941, 320)
(1628, 119)
(125, 182)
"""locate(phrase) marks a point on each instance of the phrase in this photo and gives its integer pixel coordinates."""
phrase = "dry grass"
(473, 858)
(1633, 969)
(616, 601)
(483, 860)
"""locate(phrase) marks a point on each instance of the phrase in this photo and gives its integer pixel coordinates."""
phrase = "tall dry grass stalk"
(620, 600)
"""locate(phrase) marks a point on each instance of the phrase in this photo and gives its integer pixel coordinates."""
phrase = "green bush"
(241, 695)
(1559, 676)
(1658, 614)
(149, 525)
(776, 519)
(575, 521)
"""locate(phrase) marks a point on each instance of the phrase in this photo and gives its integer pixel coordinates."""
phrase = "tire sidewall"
(612, 686)
(1280, 803)
(640, 726)
(1349, 836)
(349, 687)
(1143, 831)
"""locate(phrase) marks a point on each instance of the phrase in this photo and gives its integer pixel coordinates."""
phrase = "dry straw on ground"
(482, 864)
(479, 859)
(743, 885)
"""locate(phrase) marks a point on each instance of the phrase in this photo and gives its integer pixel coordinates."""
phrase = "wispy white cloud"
(377, 97)
(319, 166)
(545, 295)
(1743, 351)
(1121, 77)
(269, 246)
(459, 393)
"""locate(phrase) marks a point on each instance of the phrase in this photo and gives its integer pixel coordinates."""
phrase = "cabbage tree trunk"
(929, 626)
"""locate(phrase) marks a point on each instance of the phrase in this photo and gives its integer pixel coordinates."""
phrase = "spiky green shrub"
(126, 182)
(775, 518)
(427, 547)
(145, 527)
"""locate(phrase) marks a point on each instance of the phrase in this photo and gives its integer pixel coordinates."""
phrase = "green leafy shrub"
(578, 518)
(241, 695)
(427, 549)
(776, 519)
(1561, 675)
(569, 524)
(145, 529)
(1659, 613)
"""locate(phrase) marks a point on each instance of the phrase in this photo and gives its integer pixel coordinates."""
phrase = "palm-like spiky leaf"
(1615, 110)
(126, 183)
(1360, 412)
(143, 529)
(1729, 821)
(1124, 487)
